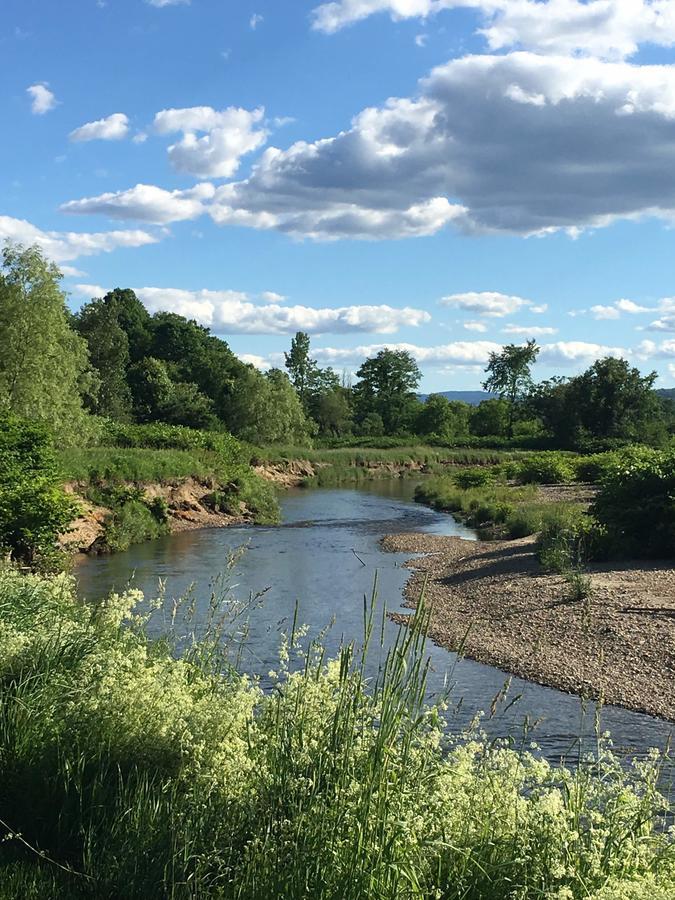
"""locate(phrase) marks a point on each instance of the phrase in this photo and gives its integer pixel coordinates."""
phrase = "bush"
(593, 468)
(131, 523)
(636, 503)
(546, 468)
(34, 509)
(475, 477)
(153, 776)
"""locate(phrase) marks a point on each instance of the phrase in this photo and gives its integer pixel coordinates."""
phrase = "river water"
(321, 561)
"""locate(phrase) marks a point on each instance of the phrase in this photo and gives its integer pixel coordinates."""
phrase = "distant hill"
(666, 393)
(472, 397)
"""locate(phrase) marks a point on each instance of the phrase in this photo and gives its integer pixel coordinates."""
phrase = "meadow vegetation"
(133, 771)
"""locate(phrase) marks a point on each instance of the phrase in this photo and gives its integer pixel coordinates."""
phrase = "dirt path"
(619, 645)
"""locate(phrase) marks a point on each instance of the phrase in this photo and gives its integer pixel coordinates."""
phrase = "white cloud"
(606, 28)
(42, 99)
(161, 3)
(88, 290)
(234, 313)
(528, 331)
(475, 326)
(255, 20)
(227, 135)
(615, 310)
(459, 353)
(421, 40)
(605, 312)
(466, 152)
(272, 297)
(486, 303)
(539, 309)
(569, 352)
(72, 272)
(145, 203)
(260, 362)
(112, 128)
(62, 246)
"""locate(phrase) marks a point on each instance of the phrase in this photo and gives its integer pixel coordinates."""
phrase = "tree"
(265, 409)
(34, 509)
(157, 398)
(134, 319)
(302, 369)
(387, 387)
(443, 418)
(331, 412)
(44, 365)
(509, 375)
(490, 418)
(98, 323)
(610, 401)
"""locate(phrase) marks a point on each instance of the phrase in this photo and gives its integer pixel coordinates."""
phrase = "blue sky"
(442, 175)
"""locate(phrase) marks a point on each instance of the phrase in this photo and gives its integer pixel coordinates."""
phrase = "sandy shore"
(619, 645)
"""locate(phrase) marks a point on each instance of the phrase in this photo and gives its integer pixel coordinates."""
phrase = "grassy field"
(129, 772)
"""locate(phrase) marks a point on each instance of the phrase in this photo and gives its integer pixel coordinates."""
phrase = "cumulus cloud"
(255, 20)
(145, 203)
(233, 312)
(62, 246)
(475, 326)
(615, 310)
(521, 143)
(473, 355)
(161, 3)
(528, 331)
(486, 303)
(666, 321)
(272, 297)
(112, 128)
(607, 28)
(570, 352)
(42, 99)
(226, 136)
(88, 290)
(260, 362)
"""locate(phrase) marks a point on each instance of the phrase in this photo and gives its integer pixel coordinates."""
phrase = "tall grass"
(129, 772)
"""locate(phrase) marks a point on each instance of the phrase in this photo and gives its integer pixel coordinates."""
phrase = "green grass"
(496, 510)
(137, 464)
(128, 772)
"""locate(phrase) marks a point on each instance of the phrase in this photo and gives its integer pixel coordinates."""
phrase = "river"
(323, 558)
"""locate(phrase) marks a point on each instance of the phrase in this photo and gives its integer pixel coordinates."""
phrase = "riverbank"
(493, 601)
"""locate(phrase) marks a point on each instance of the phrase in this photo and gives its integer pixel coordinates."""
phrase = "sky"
(442, 176)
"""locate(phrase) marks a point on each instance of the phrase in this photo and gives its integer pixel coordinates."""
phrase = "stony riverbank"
(493, 600)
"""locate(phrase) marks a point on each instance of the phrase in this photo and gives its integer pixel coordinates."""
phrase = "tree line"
(114, 359)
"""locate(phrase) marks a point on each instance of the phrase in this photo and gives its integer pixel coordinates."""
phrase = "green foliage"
(387, 388)
(609, 404)
(490, 418)
(137, 464)
(509, 374)
(159, 436)
(265, 409)
(44, 367)
(108, 344)
(447, 420)
(636, 503)
(546, 468)
(133, 522)
(34, 509)
(475, 477)
(594, 467)
(151, 777)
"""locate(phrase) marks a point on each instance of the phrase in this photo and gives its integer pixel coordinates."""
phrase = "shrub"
(593, 468)
(34, 509)
(131, 523)
(475, 477)
(546, 468)
(636, 503)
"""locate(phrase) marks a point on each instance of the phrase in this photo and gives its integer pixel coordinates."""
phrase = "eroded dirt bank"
(187, 511)
(493, 599)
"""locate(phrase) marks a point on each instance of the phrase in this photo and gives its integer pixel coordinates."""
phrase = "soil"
(186, 510)
(493, 600)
